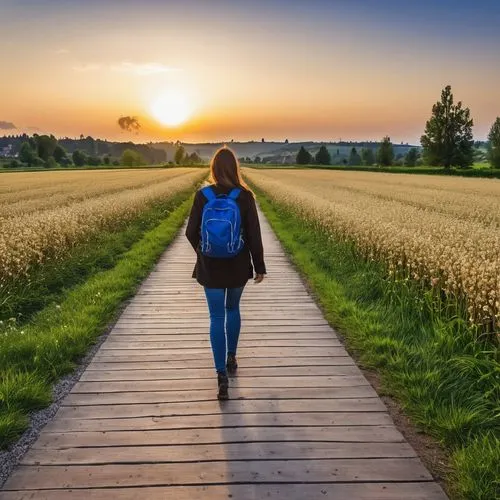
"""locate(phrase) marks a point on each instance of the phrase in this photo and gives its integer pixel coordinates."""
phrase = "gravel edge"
(10, 458)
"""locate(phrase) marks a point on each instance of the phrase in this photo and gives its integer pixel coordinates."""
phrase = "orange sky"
(276, 71)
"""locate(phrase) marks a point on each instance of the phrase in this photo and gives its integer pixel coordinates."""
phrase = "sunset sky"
(302, 70)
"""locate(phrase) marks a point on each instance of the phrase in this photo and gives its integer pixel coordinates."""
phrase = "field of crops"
(73, 246)
(444, 232)
(44, 214)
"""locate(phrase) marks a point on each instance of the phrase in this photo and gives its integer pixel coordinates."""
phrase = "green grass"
(428, 357)
(35, 355)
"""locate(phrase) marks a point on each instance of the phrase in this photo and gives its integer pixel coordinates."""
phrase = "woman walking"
(224, 231)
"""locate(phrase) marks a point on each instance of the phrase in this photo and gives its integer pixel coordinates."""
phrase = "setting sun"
(171, 109)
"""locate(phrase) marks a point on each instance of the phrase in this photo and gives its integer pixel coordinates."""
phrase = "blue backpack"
(221, 234)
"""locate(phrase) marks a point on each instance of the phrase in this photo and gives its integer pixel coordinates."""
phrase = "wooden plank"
(247, 434)
(125, 344)
(212, 406)
(209, 452)
(259, 329)
(123, 398)
(176, 317)
(244, 352)
(116, 337)
(208, 373)
(219, 420)
(340, 491)
(269, 471)
(206, 362)
(208, 383)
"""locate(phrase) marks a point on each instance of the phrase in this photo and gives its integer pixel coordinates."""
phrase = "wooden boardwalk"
(143, 423)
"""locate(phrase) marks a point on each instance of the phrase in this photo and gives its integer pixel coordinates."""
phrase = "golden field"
(441, 231)
(43, 214)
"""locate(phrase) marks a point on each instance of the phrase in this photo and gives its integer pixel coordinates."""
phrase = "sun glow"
(171, 109)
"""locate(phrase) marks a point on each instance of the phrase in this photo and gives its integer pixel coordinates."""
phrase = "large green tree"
(131, 158)
(385, 153)
(180, 155)
(60, 154)
(46, 145)
(27, 154)
(193, 159)
(323, 156)
(303, 157)
(79, 158)
(447, 140)
(354, 158)
(494, 144)
(368, 156)
(411, 157)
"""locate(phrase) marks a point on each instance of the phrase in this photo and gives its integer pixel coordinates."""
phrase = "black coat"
(236, 271)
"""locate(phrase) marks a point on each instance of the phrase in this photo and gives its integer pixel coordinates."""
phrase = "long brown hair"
(225, 170)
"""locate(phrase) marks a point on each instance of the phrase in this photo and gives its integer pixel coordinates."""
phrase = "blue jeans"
(225, 320)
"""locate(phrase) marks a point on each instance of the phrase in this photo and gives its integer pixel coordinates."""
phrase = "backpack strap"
(234, 193)
(208, 192)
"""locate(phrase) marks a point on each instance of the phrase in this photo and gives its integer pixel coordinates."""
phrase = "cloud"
(61, 51)
(129, 123)
(85, 68)
(33, 129)
(7, 125)
(144, 69)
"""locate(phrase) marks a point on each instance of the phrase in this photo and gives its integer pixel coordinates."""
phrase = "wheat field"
(44, 214)
(443, 232)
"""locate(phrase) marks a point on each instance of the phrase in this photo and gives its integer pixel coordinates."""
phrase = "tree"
(45, 145)
(411, 157)
(179, 155)
(51, 163)
(79, 158)
(354, 158)
(94, 161)
(60, 154)
(494, 144)
(27, 154)
(303, 157)
(323, 156)
(385, 153)
(131, 158)
(193, 158)
(447, 140)
(258, 159)
(106, 160)
(367, 156)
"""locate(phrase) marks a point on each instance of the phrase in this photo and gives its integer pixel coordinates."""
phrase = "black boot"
(223, 385)
(231, 364)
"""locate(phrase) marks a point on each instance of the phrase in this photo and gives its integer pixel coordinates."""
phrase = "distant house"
(7, 151)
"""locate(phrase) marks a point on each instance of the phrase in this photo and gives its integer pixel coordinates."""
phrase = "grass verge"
(430, 361)
(35, 355)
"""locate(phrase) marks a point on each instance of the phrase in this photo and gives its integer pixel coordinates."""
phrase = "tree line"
(447, 141)
(48, 152)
